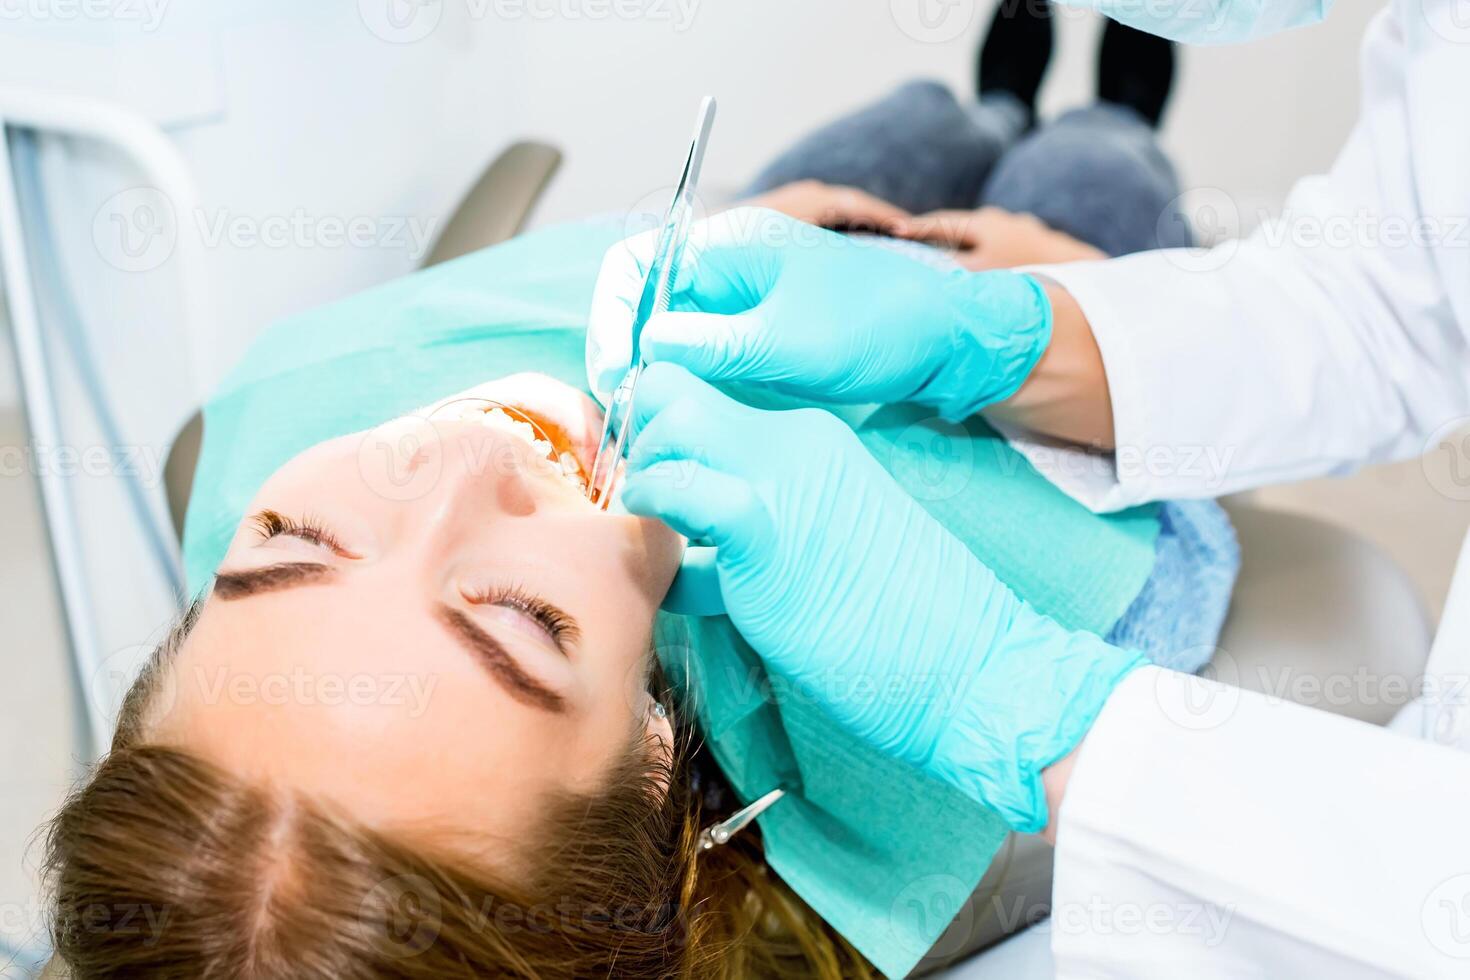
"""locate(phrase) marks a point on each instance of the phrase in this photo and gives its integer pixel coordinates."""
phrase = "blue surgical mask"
(1209, 21)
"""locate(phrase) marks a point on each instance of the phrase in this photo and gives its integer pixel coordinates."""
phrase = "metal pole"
(44, 424)
(164, 168)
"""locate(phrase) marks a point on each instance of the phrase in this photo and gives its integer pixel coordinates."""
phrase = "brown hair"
(163, 864)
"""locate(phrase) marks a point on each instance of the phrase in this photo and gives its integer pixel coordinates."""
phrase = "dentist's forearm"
(1066, 395)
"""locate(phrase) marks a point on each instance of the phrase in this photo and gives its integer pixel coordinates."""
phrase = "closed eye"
(559, 624)
(270, 524)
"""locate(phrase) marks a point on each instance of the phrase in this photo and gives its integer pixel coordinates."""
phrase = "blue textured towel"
(1176, 619)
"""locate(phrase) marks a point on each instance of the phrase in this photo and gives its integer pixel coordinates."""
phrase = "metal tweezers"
(657, 292)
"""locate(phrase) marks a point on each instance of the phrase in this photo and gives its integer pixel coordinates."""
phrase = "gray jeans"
(1096, 173)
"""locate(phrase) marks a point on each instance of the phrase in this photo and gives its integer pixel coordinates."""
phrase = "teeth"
(565, 462)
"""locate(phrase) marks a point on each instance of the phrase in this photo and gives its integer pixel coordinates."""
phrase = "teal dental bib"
(884, 854)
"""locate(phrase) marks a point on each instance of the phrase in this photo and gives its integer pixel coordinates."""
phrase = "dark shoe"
(1015, 51)
(1136, 70)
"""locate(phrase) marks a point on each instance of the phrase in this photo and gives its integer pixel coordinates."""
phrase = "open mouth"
(549, 440)
(560, 424)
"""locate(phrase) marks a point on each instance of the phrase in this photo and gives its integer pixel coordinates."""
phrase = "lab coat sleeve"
(1212, 832)
(1324, 341)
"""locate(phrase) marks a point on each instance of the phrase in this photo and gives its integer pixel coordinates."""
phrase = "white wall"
(1247, 120)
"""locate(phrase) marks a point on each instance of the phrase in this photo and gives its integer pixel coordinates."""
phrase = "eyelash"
(270, 524)
(516, 597)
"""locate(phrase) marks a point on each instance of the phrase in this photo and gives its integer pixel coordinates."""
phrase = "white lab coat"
(1210, 832)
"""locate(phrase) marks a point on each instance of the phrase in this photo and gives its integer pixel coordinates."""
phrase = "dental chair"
(494, 210)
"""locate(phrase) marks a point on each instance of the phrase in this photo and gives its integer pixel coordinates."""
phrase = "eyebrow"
(272, 578)
(500, 664)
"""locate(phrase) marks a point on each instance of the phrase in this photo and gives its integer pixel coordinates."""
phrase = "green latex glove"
(765, 298)
(861, 601)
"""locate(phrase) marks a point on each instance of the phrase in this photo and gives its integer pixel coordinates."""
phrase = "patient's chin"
(661, 550)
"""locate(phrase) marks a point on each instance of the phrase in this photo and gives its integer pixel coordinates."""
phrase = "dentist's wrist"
(1066, 394)
(999, 327)
(1054, 780)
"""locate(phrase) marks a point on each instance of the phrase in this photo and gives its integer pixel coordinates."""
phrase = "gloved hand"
(854, 595)
(762, 297)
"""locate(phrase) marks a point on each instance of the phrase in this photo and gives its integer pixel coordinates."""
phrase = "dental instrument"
(720, 833)
(657, 292)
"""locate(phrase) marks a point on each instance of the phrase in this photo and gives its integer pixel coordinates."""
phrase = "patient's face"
(429, 624)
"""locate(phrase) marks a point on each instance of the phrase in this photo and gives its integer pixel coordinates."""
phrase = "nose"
(444, 474)
(485, 474)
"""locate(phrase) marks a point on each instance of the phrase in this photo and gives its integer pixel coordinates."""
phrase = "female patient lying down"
(485, 644)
